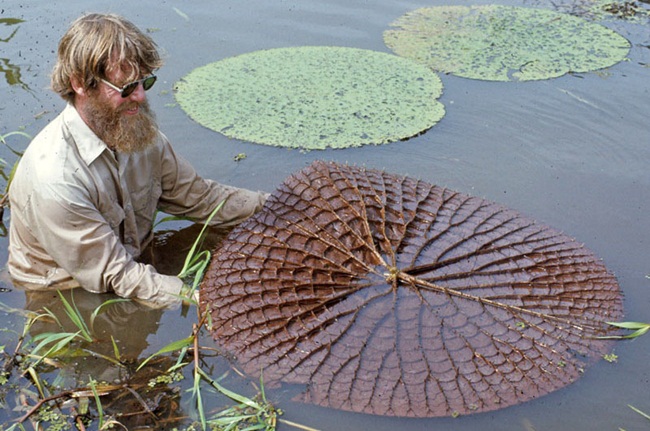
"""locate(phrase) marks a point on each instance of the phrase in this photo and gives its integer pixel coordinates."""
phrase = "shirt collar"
(88, 143)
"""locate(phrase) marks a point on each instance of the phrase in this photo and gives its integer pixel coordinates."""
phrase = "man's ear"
(77, 86)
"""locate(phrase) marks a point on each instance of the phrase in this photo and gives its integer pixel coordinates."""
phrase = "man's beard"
(122, 133)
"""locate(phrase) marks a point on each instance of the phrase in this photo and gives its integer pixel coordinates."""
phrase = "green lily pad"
(503, 43)
(313, 97)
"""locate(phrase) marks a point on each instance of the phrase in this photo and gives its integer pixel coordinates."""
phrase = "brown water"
(572, 152)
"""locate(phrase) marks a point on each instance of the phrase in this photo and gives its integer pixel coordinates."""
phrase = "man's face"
(128, 105)
(125, 124)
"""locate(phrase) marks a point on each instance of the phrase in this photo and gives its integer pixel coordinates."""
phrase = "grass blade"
(199, 241)
(640, 329)
(297, 425)
(171, 347)
(196, 392)
(169, 218)
(230, 394)
(98, 403)
(37, 381)
(116, 350)
(629, 325)
(73, 313)
(59, 340)
(645, 415)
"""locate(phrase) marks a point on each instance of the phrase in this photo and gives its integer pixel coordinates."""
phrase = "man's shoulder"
(47, 146)
(50, 159)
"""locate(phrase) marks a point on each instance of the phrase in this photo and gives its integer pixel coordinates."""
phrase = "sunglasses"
(129, 88)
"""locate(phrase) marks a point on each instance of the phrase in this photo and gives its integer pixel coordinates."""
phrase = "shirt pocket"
(145, 199)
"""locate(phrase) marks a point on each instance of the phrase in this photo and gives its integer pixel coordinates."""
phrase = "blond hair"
(96, 44)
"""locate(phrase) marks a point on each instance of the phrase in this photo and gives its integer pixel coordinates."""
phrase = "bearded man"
(86, 191)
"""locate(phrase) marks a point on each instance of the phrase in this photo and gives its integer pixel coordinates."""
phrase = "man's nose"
(138, 95)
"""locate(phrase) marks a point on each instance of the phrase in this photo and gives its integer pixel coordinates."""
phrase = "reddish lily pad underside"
(387, 295)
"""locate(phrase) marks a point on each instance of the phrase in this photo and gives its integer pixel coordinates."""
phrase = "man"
(85, 193)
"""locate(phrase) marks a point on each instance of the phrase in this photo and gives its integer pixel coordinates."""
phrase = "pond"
(571, 152)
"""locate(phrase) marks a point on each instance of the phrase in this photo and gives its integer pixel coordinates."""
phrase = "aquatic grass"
(197, 261)
(638, 327)
(645, 415)
(3, 141)
(31, 352)
(247, 415)
(250, 414)
(75, 316)
(18, 426)
(116, 350)
(167, 219)
(98, 404)
(169, 348)
(30, 319)
(60, 341)
(104, 423)
(196, 390)
(57, 341)
(115, 361)
(37, 380)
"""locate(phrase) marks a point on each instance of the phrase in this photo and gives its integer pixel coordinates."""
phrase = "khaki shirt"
(81, 214)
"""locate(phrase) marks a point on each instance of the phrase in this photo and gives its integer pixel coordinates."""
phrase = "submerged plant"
(313, 97)
(504, 43)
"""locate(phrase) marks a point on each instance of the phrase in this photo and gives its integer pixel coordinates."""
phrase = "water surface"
(572, 152)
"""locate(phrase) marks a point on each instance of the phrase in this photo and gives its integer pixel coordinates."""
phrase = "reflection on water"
(10, 70)
(107, 329)
(111, 358)
(120, 331)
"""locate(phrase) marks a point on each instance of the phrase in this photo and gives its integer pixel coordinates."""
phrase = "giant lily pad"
(313, 97)
(388, 295)
(502, 43)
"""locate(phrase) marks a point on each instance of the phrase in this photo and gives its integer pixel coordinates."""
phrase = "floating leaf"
(313, 97)
(503, 43)
(388, 295)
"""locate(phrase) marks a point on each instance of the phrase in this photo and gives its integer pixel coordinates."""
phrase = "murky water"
(572, 152)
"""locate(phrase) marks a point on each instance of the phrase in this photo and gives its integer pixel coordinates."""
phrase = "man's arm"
(185, 193)
(82, 242)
